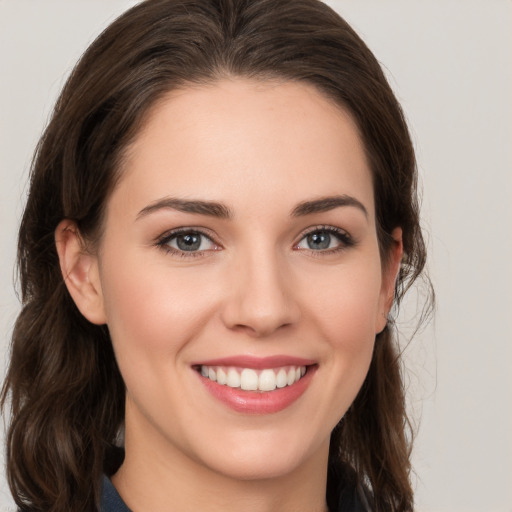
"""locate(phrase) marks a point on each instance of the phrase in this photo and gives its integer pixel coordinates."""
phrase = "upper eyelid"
(345, 238)
(163, 242)
(324, 227)
(186, 229)
(166, 236)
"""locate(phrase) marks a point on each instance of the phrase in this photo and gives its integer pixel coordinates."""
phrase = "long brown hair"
(64, 387)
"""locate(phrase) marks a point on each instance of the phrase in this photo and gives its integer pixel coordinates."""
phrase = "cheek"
(348, 306)
(153, 311)
(345, 318)
(340, 312)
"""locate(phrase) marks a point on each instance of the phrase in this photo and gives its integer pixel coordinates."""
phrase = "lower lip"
(259, 402)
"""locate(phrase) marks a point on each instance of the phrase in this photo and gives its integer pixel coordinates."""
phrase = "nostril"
(260, 329)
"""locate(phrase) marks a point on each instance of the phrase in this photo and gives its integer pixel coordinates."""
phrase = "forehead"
(236, 140)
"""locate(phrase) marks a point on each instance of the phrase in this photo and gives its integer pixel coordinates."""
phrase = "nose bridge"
(261, 299)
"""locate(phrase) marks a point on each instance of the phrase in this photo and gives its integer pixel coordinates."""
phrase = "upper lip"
(257, 363)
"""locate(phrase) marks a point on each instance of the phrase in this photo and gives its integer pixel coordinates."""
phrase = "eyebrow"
(210, 208)
(219, 210)
(325, 204)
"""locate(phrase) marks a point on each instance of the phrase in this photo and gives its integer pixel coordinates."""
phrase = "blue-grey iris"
(188, 242)
(319, 240)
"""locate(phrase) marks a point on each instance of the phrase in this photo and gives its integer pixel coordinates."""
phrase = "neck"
(153, 479)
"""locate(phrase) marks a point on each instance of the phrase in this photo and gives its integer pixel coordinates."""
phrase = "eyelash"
(164, 240)
(346, 241)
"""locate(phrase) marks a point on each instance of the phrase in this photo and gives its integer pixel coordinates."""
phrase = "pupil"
(189, 242)
(319, 240)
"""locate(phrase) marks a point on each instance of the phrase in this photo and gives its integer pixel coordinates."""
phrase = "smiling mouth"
(250, 379)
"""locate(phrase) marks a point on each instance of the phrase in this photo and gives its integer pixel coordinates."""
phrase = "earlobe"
(389, 276)
(80, 272)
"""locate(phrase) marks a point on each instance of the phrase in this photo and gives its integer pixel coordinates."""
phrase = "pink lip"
(258, 402)
(257, 363)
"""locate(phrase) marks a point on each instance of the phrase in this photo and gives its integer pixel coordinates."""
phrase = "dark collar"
(110, 499)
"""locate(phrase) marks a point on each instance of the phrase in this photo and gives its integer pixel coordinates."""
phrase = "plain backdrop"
(449, 62)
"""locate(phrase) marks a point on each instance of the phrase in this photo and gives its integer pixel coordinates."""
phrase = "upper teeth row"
(254, 380)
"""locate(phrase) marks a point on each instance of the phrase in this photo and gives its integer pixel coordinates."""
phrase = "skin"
(255, 287)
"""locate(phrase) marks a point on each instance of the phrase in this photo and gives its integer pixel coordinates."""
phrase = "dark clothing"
(110, 499)
(340, 496)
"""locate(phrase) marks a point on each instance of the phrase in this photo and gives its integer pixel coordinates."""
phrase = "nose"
(261, 299)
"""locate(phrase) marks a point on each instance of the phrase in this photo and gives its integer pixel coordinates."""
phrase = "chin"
(263, 459)
(257, 468)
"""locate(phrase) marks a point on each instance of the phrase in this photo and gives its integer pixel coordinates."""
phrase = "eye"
(187, 241)
(325, 239)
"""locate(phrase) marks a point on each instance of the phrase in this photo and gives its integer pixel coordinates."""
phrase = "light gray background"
(449, 62)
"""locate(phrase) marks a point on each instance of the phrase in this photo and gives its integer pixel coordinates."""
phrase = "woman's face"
(240, 249)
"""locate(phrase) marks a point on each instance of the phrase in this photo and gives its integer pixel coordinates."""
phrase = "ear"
(389, 274)
(80, 272)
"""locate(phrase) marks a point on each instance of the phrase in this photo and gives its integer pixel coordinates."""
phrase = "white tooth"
(302, 371)
(291, 376)
(233, 378)
(297, 373)
(211, 374)
(267, 380)
(204, 370)
(249, 380)
(221, 376)
(282, 378)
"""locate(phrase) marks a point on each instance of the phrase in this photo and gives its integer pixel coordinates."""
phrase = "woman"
(222, 213)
